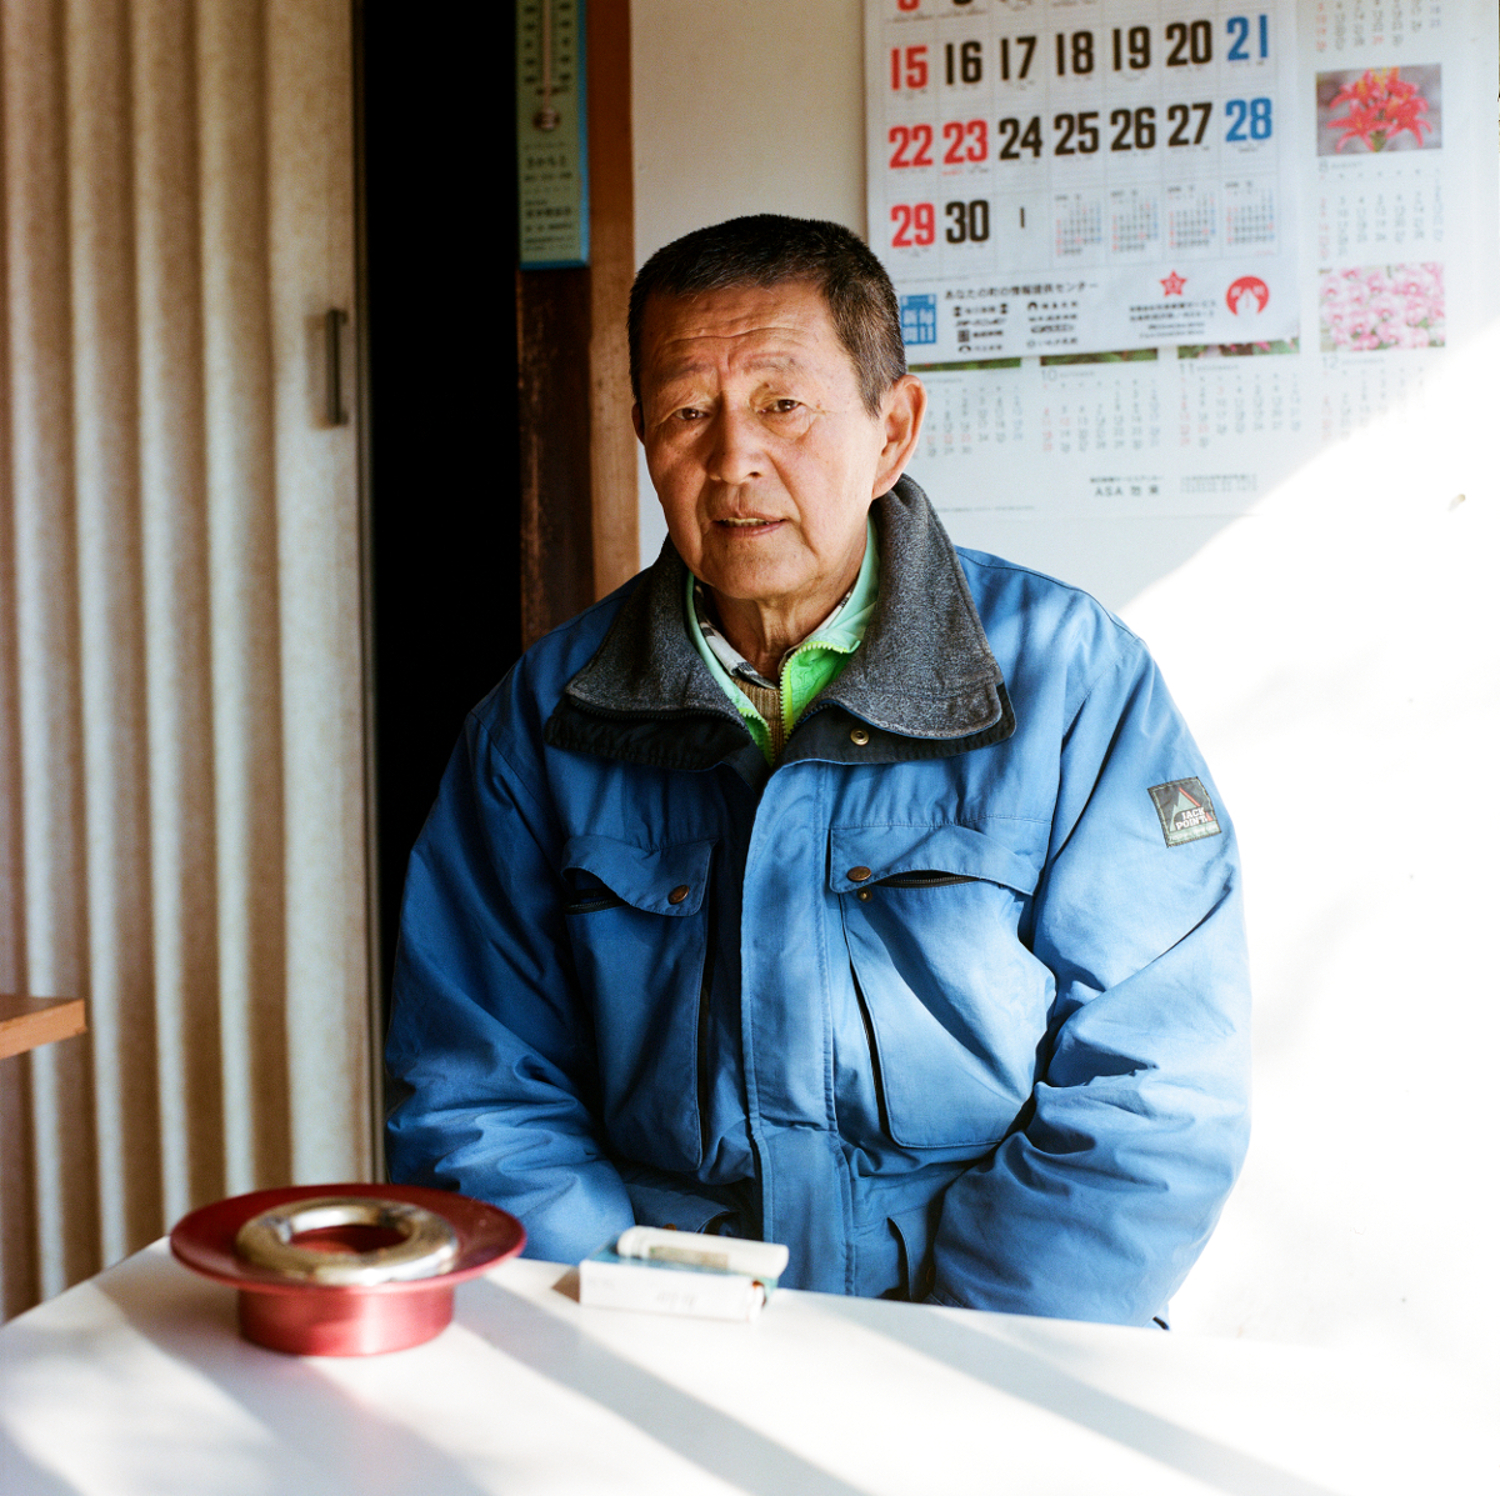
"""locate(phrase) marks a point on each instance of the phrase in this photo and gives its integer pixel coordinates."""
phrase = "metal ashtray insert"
(350, 1240)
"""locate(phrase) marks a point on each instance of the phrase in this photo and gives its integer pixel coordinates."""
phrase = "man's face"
(761, 450)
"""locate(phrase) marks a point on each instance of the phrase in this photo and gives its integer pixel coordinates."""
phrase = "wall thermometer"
(551, 134)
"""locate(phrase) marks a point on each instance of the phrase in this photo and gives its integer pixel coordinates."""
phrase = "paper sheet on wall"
(1151, 255)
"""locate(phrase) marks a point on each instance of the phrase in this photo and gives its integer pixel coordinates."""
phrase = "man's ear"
(901, 413)
(638, 422)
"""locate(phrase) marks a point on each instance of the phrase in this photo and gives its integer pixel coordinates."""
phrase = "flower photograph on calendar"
(1374, 307)
(1236, 350)
(1379, 109)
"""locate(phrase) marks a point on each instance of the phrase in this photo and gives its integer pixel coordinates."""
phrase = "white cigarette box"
(609, 1281)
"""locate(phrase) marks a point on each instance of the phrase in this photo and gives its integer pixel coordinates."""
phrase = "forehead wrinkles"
(692, 369)
(744, 329)
(750, 349)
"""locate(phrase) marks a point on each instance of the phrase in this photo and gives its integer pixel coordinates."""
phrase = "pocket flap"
(668, 880)
(1009, 852)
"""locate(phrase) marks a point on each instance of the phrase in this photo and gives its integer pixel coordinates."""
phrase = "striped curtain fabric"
(182, 703)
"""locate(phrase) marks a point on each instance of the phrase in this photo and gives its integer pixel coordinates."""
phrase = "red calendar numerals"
(915, 225)
(968, 140)
(908, 67)
(911, 145)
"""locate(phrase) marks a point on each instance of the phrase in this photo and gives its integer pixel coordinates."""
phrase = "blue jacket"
(953, 1002)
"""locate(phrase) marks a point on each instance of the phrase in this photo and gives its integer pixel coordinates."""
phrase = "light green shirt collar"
(844, 628)
(821, 655)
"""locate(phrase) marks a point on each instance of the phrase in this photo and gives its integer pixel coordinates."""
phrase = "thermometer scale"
(551, 135)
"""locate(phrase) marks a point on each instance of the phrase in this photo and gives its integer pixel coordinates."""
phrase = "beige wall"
(746, 106)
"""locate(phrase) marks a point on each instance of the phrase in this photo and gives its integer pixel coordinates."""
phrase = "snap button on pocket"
(859, 737)
(678, 894)
(864, 895)
(858, 874)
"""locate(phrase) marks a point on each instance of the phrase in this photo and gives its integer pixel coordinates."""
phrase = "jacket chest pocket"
(641, 924)
(952, 1006)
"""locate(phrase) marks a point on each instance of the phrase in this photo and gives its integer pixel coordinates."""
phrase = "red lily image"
(1381, 105)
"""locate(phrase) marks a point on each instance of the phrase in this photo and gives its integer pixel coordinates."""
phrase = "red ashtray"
(321, 1319)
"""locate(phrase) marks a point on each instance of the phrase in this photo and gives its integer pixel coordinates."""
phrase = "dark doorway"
(438, 160)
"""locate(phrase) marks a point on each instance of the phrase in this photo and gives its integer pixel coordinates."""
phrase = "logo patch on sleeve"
(1184, 810)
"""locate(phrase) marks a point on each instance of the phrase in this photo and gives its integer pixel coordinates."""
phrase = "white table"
(136, 1382)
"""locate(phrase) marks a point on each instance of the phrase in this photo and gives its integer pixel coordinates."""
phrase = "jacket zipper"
(923, 880)
(705, 1002)
(864, 1013)
(605, 900)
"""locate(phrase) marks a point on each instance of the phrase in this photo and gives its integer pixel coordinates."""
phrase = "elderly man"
(826, 884)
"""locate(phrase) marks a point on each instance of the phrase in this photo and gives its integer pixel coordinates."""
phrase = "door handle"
(333, 338)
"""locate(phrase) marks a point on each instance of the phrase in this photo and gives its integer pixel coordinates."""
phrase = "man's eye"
(689, 413)
(784, 406)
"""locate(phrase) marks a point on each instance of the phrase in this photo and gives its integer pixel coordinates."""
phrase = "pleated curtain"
(183, 777)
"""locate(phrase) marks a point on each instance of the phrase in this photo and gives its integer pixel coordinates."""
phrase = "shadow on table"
(314, 1423)
(1030, 1377)
(733, 1451)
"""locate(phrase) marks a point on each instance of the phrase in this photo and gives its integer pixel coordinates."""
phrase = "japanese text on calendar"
(1082, 177)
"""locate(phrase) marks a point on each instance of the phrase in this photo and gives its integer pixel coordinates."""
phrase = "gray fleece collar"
(925, 669)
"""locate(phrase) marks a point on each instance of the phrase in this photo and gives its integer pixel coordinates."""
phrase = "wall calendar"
(1150, 255)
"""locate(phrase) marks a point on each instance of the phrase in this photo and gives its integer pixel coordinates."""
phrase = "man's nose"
(737, 455)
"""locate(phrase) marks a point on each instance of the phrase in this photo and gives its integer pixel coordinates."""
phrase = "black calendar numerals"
(1014, 139)
(1080, 54)
(963, 62)
(1135, 129)
(965, 143)
(1180, 117)
(1075, 51)
(968, 223)
(1016, 64)
(1132, 48)
(1189, 41)
(1075, 86)
(1077, 134)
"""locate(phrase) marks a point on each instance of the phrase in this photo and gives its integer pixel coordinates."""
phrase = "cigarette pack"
(609, 1281)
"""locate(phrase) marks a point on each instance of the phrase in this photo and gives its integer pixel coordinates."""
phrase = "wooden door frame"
(579, 526)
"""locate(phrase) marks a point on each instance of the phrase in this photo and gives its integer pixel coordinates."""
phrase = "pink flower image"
(1381, 306)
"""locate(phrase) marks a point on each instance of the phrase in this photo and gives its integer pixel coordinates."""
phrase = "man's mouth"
(748, 524)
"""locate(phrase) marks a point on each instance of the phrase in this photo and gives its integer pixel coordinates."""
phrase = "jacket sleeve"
(1100, 1200)
(489, 1041)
